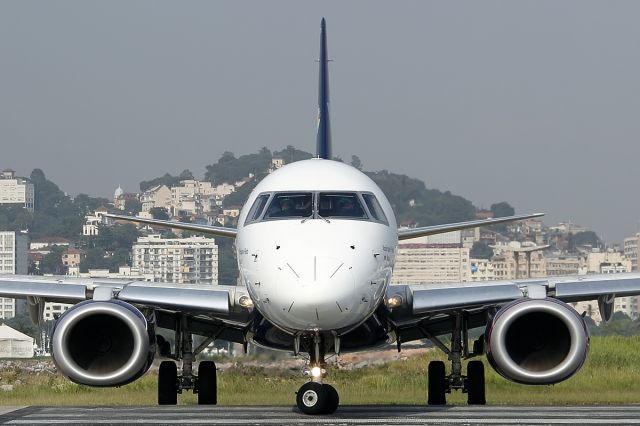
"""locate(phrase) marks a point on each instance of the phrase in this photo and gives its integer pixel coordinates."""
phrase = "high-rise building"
(13, 260)
(15, 190)
(191, 260)
(434, 259)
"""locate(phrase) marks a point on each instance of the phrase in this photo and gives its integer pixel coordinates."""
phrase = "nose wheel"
(315, 397)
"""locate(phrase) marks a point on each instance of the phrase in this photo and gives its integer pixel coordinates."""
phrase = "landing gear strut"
(315, 397)
(439, 383)
(170, 384)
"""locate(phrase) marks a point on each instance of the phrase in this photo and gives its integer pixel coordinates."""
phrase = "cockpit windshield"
(316, 205)
(290, 205)
(340, 204)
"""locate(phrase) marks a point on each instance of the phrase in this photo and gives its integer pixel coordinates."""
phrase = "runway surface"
(349, 415)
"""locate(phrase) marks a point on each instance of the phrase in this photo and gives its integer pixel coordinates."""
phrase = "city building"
(15, 190)
(558, 265)
(630, 248)
(93, 221)
(433, 259)
(72, 257)
(515, 260)
(158, 196)
(481, 270)
(191, 260)
(13, 260)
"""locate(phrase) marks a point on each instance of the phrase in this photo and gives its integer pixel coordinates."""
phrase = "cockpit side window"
(290, 205)
(375, 209)
(340, 204)
(257, 208)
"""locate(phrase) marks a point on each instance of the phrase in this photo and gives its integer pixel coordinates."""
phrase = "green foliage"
(291, 154)
(481, 250)
(227, 263)
(231, 169)
(356, 162)
(167, 180)
(159, 213)
(240, 195)
(582, 239)
(502, 209)
(52, 262)
(110, 248)
(23, 324)
(56, 214)
(132, 207)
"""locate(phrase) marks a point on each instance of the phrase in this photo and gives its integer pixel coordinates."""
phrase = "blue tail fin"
(323, 141)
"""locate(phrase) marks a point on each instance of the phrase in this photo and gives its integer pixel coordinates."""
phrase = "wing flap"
(590, 287)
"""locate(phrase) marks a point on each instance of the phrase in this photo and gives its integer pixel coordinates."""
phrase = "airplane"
(316, 243)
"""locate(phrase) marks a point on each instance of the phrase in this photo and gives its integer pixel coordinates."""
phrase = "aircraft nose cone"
(315, 291)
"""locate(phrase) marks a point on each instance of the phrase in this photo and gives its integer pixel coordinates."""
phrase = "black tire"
(207, 383)
(168, 383)
(333, 399)
(475, 383)
(436, 386)
(312, 398)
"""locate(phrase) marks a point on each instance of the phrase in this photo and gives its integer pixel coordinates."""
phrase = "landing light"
(394, 301)
(245, 301)
(316, 371)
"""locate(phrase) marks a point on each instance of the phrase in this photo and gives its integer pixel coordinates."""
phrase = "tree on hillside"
(167, 180)
(231, 169)
(291, 154)
(52, 263)
(159, 213)
(582, 239)
(502, 209)
(355, 162)
(481, 250)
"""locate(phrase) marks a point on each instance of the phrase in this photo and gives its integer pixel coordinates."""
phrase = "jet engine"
(537, 341)
(103, 343)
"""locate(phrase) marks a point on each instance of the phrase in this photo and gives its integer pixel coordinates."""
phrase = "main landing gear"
(439, 383)
(315, 397)
(170, 384)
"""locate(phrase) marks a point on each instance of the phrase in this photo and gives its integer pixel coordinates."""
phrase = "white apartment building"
(560, 265)
(15, 190)
(516, 260)
(93, 221)
(434, 259)
(608, 262)
(481, 270)
(13, 260)
(192, 197)
(180, 260)
(157, 196)
(631, 250)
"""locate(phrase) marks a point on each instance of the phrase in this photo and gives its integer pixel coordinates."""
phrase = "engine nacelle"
(103, 343)
(537, 341)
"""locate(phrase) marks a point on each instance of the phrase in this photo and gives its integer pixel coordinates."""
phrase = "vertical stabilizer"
(323, 141)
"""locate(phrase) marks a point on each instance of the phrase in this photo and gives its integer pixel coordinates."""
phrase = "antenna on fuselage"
(323, 140)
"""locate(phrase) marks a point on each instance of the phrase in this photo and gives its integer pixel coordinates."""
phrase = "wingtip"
(323, 23)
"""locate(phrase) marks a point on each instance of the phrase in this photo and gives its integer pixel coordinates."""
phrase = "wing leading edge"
(218, 231)
(406, 233)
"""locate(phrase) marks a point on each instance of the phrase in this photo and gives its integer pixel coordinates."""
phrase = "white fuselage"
(317, 273)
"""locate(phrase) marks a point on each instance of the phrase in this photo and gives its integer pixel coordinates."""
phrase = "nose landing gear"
(315, 397)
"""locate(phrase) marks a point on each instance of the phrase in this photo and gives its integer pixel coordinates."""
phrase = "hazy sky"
(532, 102)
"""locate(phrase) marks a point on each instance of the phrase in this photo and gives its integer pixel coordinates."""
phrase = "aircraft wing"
(218, 231)
(217, 306)
(406, 233)
(428, 307)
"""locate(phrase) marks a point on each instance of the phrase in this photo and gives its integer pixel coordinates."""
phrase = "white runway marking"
(350, 415)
